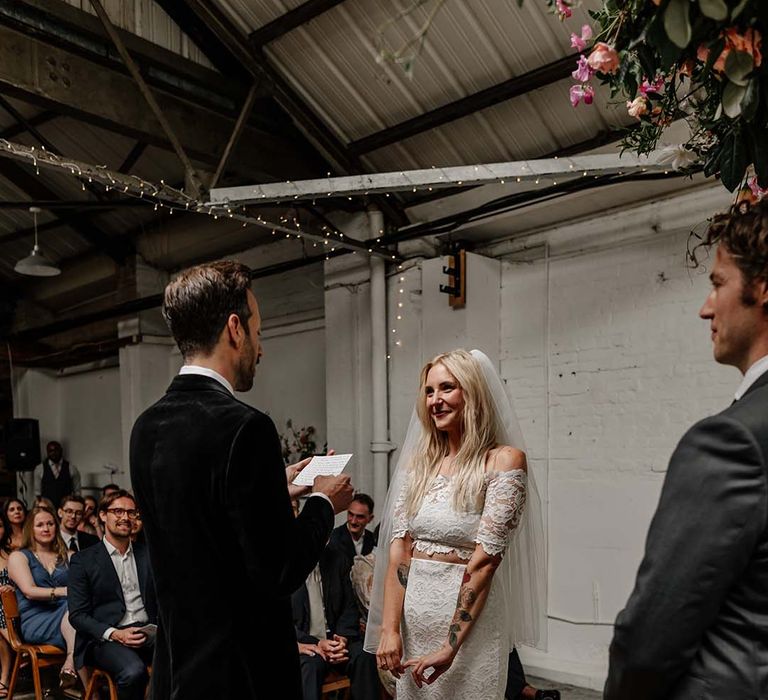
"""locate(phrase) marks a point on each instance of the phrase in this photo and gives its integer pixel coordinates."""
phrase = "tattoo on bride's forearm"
(402, 574)
(467, 598)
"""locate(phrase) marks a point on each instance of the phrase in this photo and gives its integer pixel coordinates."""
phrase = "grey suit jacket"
(696, 625)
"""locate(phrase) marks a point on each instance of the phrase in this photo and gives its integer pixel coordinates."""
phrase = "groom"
(696, 624)
(210, 482)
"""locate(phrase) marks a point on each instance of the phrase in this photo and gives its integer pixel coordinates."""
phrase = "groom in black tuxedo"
(696, 624)
(210, 481)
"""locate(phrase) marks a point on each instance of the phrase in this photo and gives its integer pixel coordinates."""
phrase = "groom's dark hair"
(743, 232)
(198, 302)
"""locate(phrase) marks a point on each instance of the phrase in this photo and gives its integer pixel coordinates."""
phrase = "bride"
(463, 578)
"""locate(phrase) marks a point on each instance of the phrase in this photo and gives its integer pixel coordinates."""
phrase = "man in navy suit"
(353, 538)
(71, 511)
(111, 600)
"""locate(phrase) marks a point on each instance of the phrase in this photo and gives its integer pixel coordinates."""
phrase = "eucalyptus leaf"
(714, 9)
(732, 96)
(750, 103)
(739, 9)
(733, 160)
(738, 66)
(677, 22)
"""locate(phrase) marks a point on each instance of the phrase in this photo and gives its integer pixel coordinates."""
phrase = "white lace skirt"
(479, 671)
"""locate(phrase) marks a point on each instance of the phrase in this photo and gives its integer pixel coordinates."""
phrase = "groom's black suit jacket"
(696, 625)
(225, 548)
(95, 596)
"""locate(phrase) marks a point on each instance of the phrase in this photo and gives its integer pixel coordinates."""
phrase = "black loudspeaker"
(22, 444)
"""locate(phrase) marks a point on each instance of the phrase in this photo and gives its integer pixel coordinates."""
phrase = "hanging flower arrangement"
(697, 60)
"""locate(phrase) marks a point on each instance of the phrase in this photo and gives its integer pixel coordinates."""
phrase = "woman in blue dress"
(40, 570)
(5, 584)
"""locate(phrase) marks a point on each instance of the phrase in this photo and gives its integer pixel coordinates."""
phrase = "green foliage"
(298, 444)
(707, 54)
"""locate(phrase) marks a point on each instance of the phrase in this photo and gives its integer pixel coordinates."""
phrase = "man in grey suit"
(696, 625)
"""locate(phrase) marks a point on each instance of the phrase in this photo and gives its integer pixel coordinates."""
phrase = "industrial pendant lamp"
(36, 264)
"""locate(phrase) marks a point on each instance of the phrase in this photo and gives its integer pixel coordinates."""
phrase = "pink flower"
(580, 42)
(604, 58)
(582, 92)
(757, 191)
(583, 72)
(563, 9)
(655, 87)
(638, 107)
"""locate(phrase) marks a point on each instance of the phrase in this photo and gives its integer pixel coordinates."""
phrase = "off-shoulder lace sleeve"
(504, 503)
(399, 515)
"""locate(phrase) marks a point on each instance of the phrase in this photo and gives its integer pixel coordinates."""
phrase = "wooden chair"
(39, 655)
(96, 675)
(100, 674)
(336, 683)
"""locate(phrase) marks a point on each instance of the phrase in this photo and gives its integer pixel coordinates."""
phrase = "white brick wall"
(609, 364)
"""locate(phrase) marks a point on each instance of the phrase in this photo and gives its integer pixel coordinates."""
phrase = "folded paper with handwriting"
(325, 465)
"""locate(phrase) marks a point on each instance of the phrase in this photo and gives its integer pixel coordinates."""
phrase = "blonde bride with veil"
(460, 575)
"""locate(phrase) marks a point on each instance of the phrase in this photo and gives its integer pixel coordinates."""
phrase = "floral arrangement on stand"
(696, 60)
(298, 443)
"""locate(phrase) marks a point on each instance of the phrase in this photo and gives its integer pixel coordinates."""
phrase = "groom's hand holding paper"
(321, 465)
(324, 474)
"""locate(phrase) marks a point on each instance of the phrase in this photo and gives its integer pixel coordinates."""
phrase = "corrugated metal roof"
(147, 19)
(332, 62)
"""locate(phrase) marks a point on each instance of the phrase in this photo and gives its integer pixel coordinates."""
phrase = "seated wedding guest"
(111, 598)
(55, 477)
(5, 585)
(44, 502)
(90, 522)
(71, 513)
(137, 529)
(353, 538)
(109, 489)
(40, 571)
(328, 632)
(15, 512)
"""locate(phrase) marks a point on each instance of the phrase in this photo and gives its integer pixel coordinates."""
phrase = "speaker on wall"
(22, 444)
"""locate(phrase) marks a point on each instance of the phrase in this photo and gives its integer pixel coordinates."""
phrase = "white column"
(380, 445)
(144, 376)
(348, 364)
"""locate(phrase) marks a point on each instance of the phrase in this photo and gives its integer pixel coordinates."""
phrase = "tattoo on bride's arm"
(467, 598)
(402, 574)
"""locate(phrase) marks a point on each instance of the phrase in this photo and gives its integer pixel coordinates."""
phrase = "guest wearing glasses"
(40, 570)
(16, 513)
(112, 600)
(71, 511)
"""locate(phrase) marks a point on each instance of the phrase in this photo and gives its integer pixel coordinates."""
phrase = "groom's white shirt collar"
(206, 372)
(754, 373)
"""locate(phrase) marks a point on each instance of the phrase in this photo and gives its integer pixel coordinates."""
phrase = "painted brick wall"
(609, 364)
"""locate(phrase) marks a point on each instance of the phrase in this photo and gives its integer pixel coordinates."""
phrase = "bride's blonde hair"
(478, 425)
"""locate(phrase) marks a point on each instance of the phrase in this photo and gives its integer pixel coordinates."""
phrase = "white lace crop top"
(439, 529)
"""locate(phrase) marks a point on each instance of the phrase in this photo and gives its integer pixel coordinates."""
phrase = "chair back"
(12, 618)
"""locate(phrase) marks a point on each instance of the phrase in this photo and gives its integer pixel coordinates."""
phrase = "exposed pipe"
(380, 445)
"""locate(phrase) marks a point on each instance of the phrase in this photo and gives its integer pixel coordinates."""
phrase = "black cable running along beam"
(520, 199)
